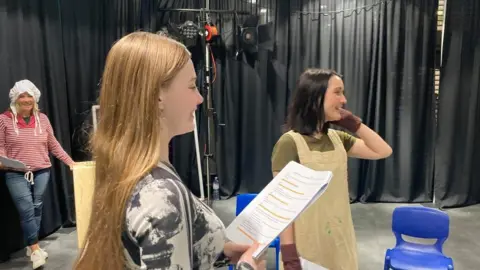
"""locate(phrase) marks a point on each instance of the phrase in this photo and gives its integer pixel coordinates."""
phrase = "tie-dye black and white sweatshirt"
(157, 233)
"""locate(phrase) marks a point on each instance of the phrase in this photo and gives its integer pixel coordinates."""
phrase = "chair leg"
(277, 257)
(386, 264)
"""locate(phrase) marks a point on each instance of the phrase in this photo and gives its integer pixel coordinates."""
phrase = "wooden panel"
(83, 185)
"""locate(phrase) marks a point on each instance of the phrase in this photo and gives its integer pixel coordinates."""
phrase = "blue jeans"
(28, 199)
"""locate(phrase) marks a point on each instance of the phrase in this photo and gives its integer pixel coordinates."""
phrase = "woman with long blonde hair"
(143, 217)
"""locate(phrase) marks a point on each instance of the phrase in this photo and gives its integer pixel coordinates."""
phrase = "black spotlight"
(253, 36)
(249, 35)
(190, 33)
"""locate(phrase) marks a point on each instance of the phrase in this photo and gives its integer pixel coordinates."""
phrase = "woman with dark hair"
(324, 233)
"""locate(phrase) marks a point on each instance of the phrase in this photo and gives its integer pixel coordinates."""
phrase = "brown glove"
(348, 121)
(290, 258)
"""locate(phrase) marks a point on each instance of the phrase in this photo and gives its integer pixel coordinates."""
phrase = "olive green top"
(285, 149)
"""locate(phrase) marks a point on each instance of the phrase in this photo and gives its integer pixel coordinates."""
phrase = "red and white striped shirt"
(30, 146)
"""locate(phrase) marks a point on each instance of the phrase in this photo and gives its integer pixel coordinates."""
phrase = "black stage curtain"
(458, 144)
(250, 100)
(385, 52)
(89, 30)
(61, 46)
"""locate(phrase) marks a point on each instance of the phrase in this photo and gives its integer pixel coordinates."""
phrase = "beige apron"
(324, 233)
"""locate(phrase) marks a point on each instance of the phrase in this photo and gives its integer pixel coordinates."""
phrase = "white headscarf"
(20, 87)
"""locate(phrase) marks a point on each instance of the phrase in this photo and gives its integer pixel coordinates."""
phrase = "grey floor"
(372, 226)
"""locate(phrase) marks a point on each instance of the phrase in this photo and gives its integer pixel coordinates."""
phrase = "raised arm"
(55, 147)
(2, 139)
(370, 145)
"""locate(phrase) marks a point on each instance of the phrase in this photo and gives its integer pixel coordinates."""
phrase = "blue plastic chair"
(419, 222)
(242, 201)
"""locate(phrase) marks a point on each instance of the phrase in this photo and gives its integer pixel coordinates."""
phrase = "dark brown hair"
(306, 114)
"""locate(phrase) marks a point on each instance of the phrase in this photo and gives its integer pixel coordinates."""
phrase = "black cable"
(356, 10)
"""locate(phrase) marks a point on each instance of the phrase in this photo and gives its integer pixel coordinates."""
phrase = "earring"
(161, 107)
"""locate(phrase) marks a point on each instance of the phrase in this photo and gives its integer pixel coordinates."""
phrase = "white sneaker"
(38, 259)
(29, 252)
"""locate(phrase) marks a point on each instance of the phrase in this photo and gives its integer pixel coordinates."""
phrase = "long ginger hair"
(126, 145)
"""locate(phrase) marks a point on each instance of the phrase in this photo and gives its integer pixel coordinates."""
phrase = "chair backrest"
(421, 222)
(243, 200)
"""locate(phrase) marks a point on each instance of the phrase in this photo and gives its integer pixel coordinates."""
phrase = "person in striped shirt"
(26, 135)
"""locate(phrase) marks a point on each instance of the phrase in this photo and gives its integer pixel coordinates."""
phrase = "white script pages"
(278, 205)
(12, 163)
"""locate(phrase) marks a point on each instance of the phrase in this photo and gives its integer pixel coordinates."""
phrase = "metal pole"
(205, 18)
(208, 153)
(199, 159)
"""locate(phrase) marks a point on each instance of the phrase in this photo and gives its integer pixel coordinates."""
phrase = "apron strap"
(302, 147)
(304, 153)
(337, 142)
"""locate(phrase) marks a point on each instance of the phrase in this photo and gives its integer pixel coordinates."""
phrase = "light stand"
(204, 18)
(208, 87)
(199, 162)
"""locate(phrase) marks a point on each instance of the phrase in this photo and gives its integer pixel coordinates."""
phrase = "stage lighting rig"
(249, 35)
(253, 36)
(211, 32)
(189, 31)
(207, 33)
